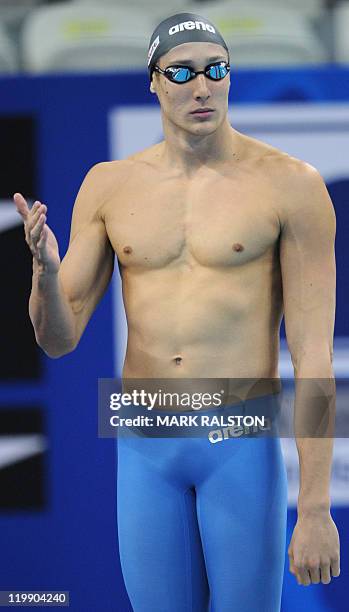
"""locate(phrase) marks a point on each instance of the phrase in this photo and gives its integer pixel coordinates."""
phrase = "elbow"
(55, 354)
(316, 362)
(55, 350)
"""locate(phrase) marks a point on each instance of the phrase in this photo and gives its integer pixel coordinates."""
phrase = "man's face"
(178, 101)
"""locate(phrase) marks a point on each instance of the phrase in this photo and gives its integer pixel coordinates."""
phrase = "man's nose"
(201, 88)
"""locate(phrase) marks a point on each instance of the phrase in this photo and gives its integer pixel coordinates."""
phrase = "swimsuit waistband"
(253, 417)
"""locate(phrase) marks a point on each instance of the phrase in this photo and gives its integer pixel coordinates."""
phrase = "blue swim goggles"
(183, 74)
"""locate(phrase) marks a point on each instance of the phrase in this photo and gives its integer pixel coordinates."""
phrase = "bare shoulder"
(284, 168)
(107, 176)
(101, 183)
(292, 173)
(298, 184)
(148, 155)
(103, 174)
(303, 192)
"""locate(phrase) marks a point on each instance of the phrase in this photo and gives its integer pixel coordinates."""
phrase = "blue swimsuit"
(202, 518)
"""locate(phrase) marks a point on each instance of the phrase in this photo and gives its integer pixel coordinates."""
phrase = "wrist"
(311, 508)
(42, 270)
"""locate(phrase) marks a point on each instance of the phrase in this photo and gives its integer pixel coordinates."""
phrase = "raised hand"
(39, 237)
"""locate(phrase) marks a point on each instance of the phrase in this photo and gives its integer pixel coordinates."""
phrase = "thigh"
(159, 541)
(242, 511)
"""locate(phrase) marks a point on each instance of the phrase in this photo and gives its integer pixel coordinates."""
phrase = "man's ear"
(152, 87)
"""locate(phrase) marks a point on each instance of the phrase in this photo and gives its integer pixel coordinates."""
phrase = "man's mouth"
(203, 112)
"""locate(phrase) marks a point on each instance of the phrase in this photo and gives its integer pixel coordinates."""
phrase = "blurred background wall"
(74, 92)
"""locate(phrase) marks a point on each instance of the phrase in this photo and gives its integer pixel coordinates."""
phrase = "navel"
(178, 360)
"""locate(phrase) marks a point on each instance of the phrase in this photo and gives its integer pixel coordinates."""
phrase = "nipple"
(127, 250)
(237, 247)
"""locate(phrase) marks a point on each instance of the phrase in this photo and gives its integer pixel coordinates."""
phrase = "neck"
(189, 152)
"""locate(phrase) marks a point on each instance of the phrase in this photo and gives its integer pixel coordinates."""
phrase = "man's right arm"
(65, 294)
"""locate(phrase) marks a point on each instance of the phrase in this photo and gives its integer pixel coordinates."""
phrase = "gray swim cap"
(178, 29)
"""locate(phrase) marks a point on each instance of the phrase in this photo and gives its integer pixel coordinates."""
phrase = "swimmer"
(218, 236)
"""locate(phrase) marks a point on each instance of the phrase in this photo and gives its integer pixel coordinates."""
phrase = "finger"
(43, 238)
(314, 574)
(297, 577)
(292, 567)
(36, 206)
(34, 214)
(325, 574)
(21, 205)
(35, 233)
(303, 576)
(335, 569)
(31, 220)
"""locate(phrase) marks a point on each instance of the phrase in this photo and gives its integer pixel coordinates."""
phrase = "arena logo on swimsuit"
(218, 435)
(191, 25)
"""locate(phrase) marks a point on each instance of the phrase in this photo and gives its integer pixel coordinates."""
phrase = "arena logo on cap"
(153, 48)
(191, 25)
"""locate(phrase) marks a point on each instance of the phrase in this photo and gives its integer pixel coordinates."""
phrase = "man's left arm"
(307, 261)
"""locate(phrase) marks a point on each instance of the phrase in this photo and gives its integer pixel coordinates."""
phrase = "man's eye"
(181, 74)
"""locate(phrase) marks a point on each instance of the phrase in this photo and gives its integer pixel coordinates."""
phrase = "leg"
(160, 547)
(242, 511)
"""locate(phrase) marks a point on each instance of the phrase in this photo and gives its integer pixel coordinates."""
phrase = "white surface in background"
(9, 217)
(15, 448)
(316, 133)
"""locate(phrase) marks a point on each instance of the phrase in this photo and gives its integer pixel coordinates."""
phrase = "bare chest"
(212, 223)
